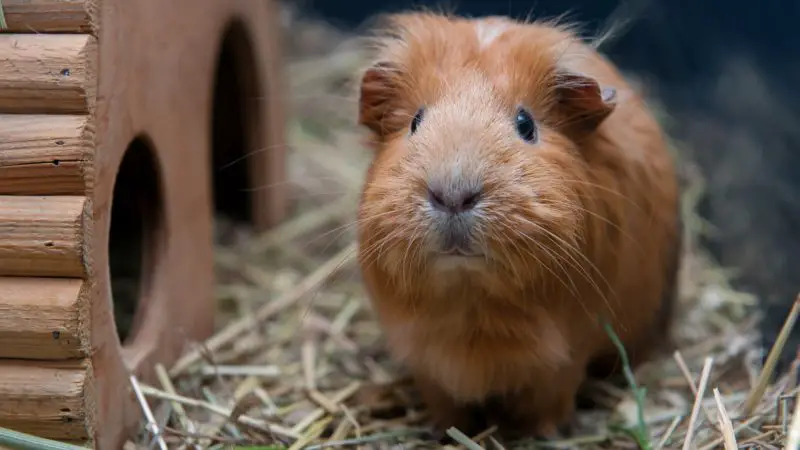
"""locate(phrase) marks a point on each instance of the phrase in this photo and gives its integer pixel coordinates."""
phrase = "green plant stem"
(641, 434)
(21, 441)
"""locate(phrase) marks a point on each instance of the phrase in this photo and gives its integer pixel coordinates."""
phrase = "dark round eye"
(417, 120)
(526, 127)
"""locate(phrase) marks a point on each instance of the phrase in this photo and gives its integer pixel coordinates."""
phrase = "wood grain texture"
(43, 318)
(46, 399)
(47, 16)
(45, 154)
(47, 73)
(158, 83)
(42, 236)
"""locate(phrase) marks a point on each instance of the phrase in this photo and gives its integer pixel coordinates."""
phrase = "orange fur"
(581, 225)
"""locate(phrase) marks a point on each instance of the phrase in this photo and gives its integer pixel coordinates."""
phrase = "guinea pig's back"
(635, 232)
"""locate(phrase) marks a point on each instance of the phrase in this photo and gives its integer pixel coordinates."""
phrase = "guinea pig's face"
(470, 172)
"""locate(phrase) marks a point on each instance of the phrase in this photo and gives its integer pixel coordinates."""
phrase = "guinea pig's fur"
(552, 233)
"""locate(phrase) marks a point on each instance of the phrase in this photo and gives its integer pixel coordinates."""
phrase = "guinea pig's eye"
(417, 120)
(526, 127)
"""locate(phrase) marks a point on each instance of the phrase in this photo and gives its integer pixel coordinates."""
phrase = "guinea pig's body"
(520, 197)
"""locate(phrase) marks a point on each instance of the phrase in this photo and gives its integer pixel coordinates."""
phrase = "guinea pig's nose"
(453, 201)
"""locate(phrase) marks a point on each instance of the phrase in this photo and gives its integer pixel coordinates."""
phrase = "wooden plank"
(42, 236)
(47, 73)
(46, 399)
(45, 154)
(43, 318)
(47, 16)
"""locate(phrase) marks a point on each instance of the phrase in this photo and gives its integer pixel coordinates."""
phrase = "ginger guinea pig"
(521, 195)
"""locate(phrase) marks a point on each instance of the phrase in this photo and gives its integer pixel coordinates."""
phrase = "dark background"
(678, 40)
(727, 73)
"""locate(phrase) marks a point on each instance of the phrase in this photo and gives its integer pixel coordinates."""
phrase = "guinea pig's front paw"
(546, 431)
(465, 420)
(543, 411)
(540, 431)
(439, 433)
(446, 412)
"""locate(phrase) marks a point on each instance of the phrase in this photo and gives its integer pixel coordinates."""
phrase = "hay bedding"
(298, 360)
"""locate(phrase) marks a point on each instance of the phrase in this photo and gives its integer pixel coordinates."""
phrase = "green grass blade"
(20, 441)
(3, 24)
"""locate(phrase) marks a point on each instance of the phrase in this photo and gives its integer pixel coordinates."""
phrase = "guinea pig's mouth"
(458, 260)
(459, 253)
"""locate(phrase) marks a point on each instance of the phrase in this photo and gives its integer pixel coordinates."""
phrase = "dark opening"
(235, 119)
(136, 227)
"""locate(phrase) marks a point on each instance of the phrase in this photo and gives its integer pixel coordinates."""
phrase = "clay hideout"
(114, 117)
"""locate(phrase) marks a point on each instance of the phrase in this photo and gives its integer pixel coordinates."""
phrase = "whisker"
(583, 209)
(569, 251)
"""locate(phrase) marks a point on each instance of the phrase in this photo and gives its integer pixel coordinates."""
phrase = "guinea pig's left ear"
(583, 102)
(377, 91)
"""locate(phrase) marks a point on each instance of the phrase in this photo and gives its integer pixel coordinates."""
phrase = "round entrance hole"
(134, 238)
(236, 141)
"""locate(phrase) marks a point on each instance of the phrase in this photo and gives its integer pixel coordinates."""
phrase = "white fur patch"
(488, 30)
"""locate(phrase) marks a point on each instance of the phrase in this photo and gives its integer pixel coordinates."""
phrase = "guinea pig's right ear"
(583, 102)
(378, 90)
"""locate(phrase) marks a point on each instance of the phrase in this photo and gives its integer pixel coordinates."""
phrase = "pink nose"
(453, 201)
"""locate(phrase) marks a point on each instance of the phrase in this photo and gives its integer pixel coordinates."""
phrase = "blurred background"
(721, 77)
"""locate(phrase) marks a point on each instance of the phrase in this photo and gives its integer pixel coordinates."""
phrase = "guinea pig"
(520, 198)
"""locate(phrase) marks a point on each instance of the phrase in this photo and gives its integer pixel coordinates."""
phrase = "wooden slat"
(47, 73)
(42, 236)
(47, 16)
(45, 154)
(43, 318)
(46, 399)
